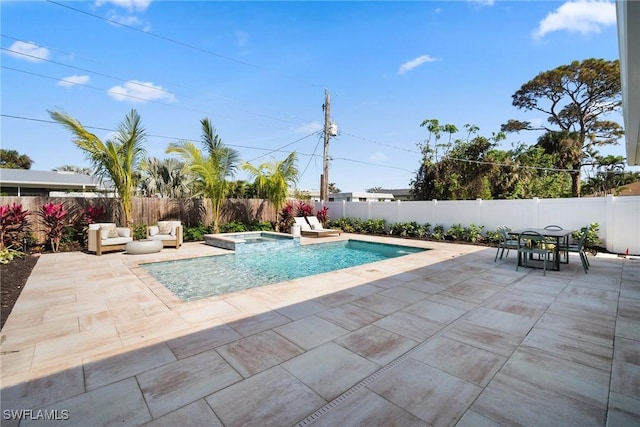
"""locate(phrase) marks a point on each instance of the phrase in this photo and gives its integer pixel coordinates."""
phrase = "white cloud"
(242, 38)
(309, 127)
(130, 5)
(414, 63)
(130, 21)
(378, 157)
(136, 91)
(482, 2)
(73, 81)
(28, 51)
(581, 16)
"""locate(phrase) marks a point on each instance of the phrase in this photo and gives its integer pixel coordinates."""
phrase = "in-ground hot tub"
(252, 241)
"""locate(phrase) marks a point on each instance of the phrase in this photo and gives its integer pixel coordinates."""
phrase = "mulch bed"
(13, 277)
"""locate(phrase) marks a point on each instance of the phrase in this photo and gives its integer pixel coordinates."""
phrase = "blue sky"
(258, 71)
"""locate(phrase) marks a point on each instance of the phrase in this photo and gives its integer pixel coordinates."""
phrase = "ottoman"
(145, 246)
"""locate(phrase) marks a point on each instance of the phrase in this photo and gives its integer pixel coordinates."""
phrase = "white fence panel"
(513, 213)
(389, 211)
(623, 226)
(618, 217)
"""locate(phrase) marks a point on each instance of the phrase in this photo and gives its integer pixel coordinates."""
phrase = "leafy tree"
(461, 172)
(209, 167)
(272, 180)
(577, 99)
(609, 176)
(242, 190)
(164, 178)
(525, 172)
(374, 190)
(118, 159)
(333, 189)
(11, 159)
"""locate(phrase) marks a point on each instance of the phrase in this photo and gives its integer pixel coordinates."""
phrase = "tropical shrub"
(438, 233)
(473, 233)
(14, 225)
(93, 214)
(233, 227)
(343, 224)
(304, 208)
(196, 234)
(592, 238)
(323, 215)
(287, 213)
(375, 226)
(139, 231)
(493, 236)
(7, 255)
(53, 217)
(456, 232)
(409, 229)
(256, 225)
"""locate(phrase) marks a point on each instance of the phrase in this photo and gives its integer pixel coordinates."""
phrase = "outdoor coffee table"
(145, 246)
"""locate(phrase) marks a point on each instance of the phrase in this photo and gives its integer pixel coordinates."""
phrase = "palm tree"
(164, 178)
(210, 168)
(273, 180)
(117, 159)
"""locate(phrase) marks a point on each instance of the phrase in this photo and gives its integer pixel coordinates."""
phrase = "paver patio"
(442, 337)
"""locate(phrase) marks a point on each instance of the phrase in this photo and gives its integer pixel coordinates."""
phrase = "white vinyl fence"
(618, 217)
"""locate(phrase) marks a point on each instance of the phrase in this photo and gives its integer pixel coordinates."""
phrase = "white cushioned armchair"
(105, 237)
(170, 232)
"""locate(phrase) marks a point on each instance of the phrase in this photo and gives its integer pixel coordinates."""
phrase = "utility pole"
(324, 179)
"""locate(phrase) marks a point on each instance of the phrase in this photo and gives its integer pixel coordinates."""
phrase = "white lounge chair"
(312, 227)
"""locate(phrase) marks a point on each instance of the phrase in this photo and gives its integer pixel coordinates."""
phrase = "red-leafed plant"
(53, 217)
(287, 213)
(323, 215)
(93, 214)
(14, 225)
(304, 208)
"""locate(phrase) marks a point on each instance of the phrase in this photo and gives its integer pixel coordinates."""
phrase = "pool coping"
(173, 301)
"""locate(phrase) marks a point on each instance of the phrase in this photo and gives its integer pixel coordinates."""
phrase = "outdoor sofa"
(169, 232)
(106, 237)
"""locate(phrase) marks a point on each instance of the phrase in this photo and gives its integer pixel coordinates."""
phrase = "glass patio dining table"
(558, 235)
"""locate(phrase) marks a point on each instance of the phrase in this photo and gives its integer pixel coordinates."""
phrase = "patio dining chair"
(505, 242)
(563, 255)
(579, 249)
(533, 243)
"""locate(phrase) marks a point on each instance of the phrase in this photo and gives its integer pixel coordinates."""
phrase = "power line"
(121, 79)
(140, 98)
(314, 152)
(379, 143)
(173, 138)
(284, 146)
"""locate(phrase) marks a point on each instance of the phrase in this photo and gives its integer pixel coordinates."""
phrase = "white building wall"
(618, 217)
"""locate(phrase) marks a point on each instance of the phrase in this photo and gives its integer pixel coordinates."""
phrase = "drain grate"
(353, 390)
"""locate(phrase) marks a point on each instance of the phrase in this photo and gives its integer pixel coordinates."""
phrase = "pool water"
(197, 278)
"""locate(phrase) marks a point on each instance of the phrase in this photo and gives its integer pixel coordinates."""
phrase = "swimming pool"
(197, 278)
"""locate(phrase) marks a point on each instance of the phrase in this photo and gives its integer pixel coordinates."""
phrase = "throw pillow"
(164, 227)
(108, 231)
(124, 232)
(153, 230)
